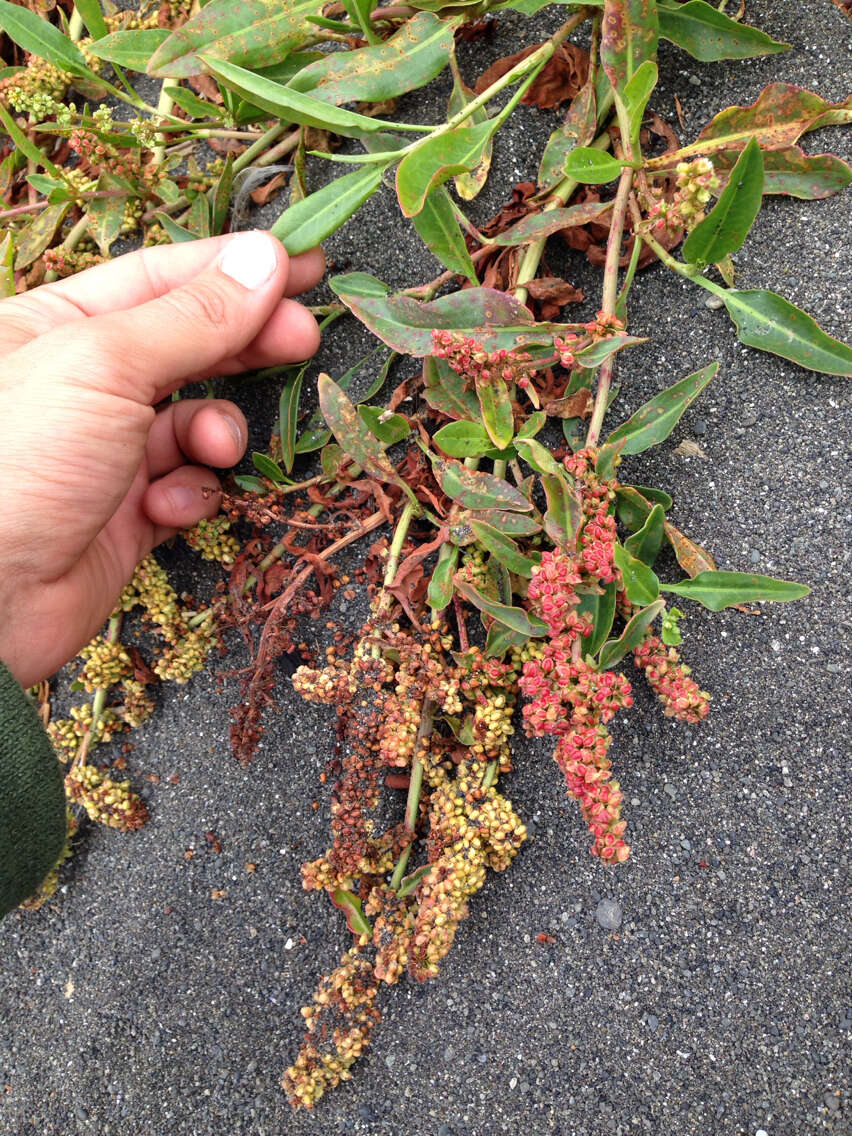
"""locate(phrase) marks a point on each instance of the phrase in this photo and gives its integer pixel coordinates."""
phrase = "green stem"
(490, 775)
(75, 26)
(164, 107)
(610, 298)
(415, 788)
(399, 536)
(99, 701)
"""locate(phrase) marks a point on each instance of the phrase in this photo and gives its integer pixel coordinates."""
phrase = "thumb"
(147, 351)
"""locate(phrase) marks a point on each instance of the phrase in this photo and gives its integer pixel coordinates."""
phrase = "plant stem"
(165, 103)
(400, 533)
(99, 701)
(75, 26)
(415, 787)
(610, 298)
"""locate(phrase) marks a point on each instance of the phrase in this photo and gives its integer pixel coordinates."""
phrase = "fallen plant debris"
(521, 569)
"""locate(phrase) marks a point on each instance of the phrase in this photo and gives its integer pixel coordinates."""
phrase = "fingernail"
(181, 498)
(250, 259)
(233, 427)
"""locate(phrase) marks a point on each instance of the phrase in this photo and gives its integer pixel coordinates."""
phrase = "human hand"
(91, 476)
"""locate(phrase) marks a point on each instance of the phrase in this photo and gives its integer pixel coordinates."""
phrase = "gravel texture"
(703, 987)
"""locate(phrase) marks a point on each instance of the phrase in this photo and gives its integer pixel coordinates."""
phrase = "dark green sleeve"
(32, 798)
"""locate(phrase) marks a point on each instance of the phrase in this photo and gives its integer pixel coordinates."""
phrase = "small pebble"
(831, 1102)
(755, 556)
(713, 303)
(608, 914)
(694, 81)
(699, 427)
(652, 1021)
(670, 790)
(445, 1130)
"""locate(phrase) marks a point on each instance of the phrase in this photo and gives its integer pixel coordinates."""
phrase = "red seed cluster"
(551, 591)
(669, 679)
(467, 357)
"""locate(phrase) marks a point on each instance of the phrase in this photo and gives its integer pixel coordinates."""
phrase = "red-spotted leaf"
(727, 225)
(464, 440)
(690, 556)
(628, 38)
(512, 524)
(496, 406)
(717, 590)
(653, 422)
(353, 909)
(634, 503)
(469, 184)
(493, 318)
(409, 59)
(438, 228)
(503, 549)
(538, 225)
(614, 650)
(578, 129)
(514, 618)
(445, 391)
(564, 511)
(793, 172)
(253, 33)
(708, 34)
(354, 435)
(31, 242)
(475, 490)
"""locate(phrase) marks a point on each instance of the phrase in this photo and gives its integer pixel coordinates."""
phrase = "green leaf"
(717, 590)
(22, 142)
(511, 524)
(354, 436)
(564, 511)
(601, 607)
(412, 881)
(609, 456)
(636, 94)
(292, 105)
(304, 225)
(591, 167)
(496, 406)
(288, 417)
(439, 230)
(463, 440)
(106, 214)
(614, 650)
(440, 590)
(412, 57)
(34, 239)
(500, 638)
(709, 35)
(493, 318)
(437, 159)
(351, 906)
(7, 262)
(198, 217)
(653, 422)
(476, 490)
(469, 184)
(131, 49)
(176, 232)
(578, 129)
(264, 464)
(628, 37)
(769, 322)
(645, 544)
(41, 38)
(222, 197)
(538, 457)
(249, 483)
(389, 430)
(503, 548)
(514, 618)
(93, 17)
(726, 227)
(640, 582)
(670, 633)
(596, 353)
(255, 33)
(537, 225)
(46, 185)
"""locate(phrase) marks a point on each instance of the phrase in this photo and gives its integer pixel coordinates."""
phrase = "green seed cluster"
(214, 540)
(106, 664)
(67, 733)
(37, 89)
(138, 707)
(106, 801)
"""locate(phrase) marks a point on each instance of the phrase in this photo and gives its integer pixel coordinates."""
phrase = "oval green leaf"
(726, 227)
(304, 225)
(437, 159)
(614, 650)
(514, 618)
(591, 167)
(640, 582)
(769, 322)
(476, 490)
(503, 548)
(646, 543)
(653, 422)
(718, 590)
(709, 35)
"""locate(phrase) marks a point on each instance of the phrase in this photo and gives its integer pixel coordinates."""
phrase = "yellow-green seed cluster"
(106, 801)
(67, 733)
(214, 540)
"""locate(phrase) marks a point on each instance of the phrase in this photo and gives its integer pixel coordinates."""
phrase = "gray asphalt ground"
(136, 1004)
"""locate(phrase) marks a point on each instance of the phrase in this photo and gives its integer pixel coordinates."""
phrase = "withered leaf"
(577, 405)
(552, 293)
(558, 81)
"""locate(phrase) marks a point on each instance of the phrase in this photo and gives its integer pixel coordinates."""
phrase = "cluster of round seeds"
(581, 754)
(37, 89)
(696, 182)
(468, 358)
(67, 733)
(393, 931)
(106, 801)
(669, 678)
(68, 262)
(137, 706)
(340, 1020)
(214, 540)
(106, 664)
(551, 592)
